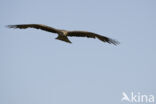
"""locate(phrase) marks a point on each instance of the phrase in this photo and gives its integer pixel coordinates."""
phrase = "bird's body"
(64, 34)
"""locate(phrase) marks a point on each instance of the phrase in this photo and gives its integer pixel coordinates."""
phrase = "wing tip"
(114, 42)
(11, 26)
(108, 40)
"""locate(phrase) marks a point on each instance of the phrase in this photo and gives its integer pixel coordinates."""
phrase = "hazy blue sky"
(37, 69)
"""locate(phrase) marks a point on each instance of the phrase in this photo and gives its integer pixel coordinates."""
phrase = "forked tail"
(63, 38)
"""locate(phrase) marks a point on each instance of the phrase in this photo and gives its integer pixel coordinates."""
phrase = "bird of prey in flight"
(64, 34)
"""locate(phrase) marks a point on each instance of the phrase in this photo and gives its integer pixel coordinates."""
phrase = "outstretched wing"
(92, 35)
(36, 26)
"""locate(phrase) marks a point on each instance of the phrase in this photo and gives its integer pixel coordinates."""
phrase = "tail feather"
(63, 38)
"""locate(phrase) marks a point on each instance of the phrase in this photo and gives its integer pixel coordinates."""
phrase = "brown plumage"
(63, 34)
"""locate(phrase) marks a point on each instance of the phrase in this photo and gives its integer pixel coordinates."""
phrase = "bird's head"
(63, 32)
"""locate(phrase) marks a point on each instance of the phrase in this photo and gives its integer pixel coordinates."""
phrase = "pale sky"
(35, 68)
